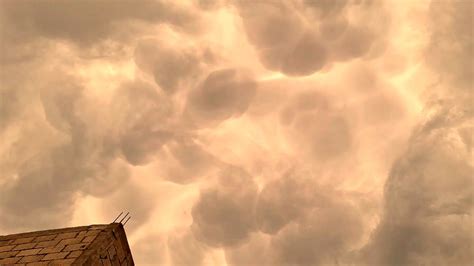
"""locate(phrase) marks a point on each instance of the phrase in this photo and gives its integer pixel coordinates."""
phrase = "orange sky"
(243, 132)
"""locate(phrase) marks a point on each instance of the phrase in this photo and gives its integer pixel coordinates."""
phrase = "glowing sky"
(298, 132)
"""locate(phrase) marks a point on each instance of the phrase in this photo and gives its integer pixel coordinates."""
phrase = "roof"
(104, 244)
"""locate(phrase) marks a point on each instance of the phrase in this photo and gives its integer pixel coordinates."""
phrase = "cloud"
(321, 238)
(224, 94)
(171, 66)
(150, 250)
(317, 33)
(451, 43)
(315, 127)
(87, 22)
(184, 160)
(185, 249)
(428, 195)
(301, 222)
(257, 133)
(142, 120)
(68, 158)
(275, 211)
(255, 251)
(428, 191)
(224, 215)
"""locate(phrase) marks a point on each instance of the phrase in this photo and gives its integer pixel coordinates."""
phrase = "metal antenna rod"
(124, 217)
(117, 217)
(127, 220)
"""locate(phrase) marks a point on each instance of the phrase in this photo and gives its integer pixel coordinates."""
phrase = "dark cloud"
(322, 8)
(172, 67)
(70, 158)
(305, 50)
(315, 127)
(306, 223)
(71, 130)
(428, 195)
(323, 237)
(428, 191)
(383, 107)
(275, 211)
(355, 42)
(150, 249)
(451, 45)
(308, 55)
(89, 21)
(255, 252)
(265, 23)
(185, 249)
(222, 95)
(142, 119)
(184, 160)
(225, 215)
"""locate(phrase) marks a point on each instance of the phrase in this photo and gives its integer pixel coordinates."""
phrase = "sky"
(297, 132)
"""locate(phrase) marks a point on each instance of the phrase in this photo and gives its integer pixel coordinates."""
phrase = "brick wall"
(86, 245)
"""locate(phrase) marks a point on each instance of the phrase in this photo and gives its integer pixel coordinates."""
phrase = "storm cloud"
(243, 132)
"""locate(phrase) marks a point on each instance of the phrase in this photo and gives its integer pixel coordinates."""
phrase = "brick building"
(85, 245)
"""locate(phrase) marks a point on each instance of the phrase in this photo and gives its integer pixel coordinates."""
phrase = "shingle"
(66, 235)
(25, 246)
(74, 254)
(93, 233)
(34, 258)
(55, 256)
(45, 244)
(23, 240)
(45, 238)
(89, 239)
(28, 252)
(39, 263)
(51, 250)
(62, 262)
(70, 241)
(8, 254)
(6, 248)
(5, 242)
(9, 260)
(73, 247)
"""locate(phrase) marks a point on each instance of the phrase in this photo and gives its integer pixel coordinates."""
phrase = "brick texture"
(85, 245)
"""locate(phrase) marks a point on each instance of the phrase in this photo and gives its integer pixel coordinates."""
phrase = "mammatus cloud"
(87, 22)
(172, 67)
(243, 133)
(222, 95)
(317, 33)
(225, 214)
(428, 195)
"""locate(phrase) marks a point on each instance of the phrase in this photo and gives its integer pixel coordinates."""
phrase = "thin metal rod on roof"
(117, 217)
(127, 220)
(126, 215)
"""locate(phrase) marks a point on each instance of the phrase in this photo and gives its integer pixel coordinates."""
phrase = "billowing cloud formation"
(318, 130)
(311, 224)
(428, 195)
(222, 95)
(224, 216)
(172, 68)
(243, 132)
(299, 38)
(142, 119)
(73, 158)
(86, 22)
(429, 199)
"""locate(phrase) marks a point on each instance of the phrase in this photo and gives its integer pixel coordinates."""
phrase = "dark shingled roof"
(85, 245)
